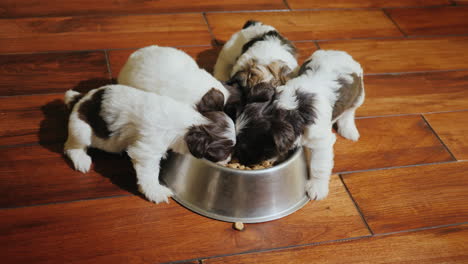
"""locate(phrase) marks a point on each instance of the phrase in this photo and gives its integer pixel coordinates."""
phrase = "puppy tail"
(71, 98)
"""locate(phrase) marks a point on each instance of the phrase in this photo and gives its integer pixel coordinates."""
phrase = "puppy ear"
(283, 136)
(280, 71)
(197, 141)
(203, 145)
(262, 92)
(250, 23)
(213, 100)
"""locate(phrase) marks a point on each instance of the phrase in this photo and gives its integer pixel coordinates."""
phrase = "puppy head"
(266, 131)
(213, 141)
(276, 73)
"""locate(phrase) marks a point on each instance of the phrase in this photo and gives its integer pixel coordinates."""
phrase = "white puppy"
(171, 72)
(255, 54)
(116, 118)
(328, 89)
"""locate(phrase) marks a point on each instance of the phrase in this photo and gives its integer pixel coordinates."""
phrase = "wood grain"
(305, 50)
(309, 25)
(33, 119)
(389, 142)
(51, 73)
(441, 245)
(205, 57)
(23, 8)
(453, 130)
(420, 21)
(132, 230)
(101, 32)
(415, 93)
(33, 175)
(304, 4)
(406, 198)
(406, 55)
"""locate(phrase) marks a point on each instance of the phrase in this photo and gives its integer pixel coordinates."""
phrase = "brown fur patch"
(276, 73)
(213, 100)
(280, 71)
(90, 112)
(348, 95)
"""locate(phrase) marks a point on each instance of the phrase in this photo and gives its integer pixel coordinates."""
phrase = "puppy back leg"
(346, 122)
(146, 164)
(79, 139)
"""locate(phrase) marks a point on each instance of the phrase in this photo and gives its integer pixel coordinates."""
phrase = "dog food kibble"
(239, 226)
(234, 164)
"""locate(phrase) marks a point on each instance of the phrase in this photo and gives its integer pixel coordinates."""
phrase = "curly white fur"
(146, 125)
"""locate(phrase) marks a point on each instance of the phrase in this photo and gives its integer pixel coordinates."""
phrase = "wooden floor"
(399, 195)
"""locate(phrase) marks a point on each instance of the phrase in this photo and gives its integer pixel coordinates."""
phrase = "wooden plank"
(32, 175)
(389, 142)
(304, 4)
(101, 32)
(51, 73)
(23, 8)
(33, 119)
(415, 93)
(205, 57)
(406, 198)
(461, 2)
(441, 245)
(132, 230)
(309, 25)
(452, 129)
(305, 50)
(420, 21)
(406, 55)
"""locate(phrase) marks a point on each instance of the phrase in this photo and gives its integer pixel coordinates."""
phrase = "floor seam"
(398, 167)
(394, 22)
(213, 38)
(358, 208)
(438, 137)
(109, 69)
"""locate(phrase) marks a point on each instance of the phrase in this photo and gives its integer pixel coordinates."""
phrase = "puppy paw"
(317, 189)
(81, 160)
(349, 132)
(156, 193)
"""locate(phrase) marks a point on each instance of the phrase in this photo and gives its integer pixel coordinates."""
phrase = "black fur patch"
(250, 23)
(271, 34)
(90, 112)
(235, 101)
(271, 131)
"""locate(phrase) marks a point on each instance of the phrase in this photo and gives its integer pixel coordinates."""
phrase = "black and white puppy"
(329, 89)
(256, 54)
(118, 118)
(171, 72)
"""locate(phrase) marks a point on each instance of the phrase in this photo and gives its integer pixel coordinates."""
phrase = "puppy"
(118, 118)
(329, 89)
(255, 54)
(171, 72)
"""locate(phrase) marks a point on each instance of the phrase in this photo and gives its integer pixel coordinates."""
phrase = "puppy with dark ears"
(329, 89)
(212, 141)
(117, 118)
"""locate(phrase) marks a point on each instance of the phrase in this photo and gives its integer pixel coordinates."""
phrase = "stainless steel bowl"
(232, 195)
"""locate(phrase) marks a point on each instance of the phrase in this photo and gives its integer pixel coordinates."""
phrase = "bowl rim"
(298, 152)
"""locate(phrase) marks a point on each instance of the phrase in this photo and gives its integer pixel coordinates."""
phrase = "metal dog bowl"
(233, 195)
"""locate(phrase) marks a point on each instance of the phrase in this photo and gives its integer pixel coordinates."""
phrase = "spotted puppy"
(171, 72)
(329, 89)
(118, 118)
(256, 54)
